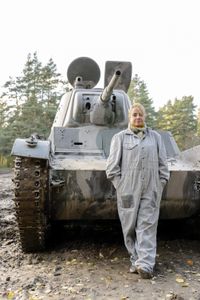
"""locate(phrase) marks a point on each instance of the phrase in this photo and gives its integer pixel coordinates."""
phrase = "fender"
(38, 149)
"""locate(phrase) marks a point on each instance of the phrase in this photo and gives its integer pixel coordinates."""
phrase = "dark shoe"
(133, 270)
(145, 274)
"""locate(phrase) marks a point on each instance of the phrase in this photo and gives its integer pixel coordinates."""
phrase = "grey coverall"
(138, 170)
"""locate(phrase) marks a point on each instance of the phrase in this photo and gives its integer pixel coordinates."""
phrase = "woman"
(137, 167)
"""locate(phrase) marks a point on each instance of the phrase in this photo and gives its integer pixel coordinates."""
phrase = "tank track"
(31, 200)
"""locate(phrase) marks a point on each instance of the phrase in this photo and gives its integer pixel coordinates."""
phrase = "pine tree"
(32, 100)
(179, 118)
(138, 93)
(52, 87)
(198, 123)
(3, 110)
(165, 117)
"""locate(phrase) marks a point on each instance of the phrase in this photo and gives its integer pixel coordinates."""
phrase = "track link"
(31, 202)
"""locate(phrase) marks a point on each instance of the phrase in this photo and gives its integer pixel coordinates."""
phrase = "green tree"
(198, 123)
(180, 119)
(32, 101)
(165, 117)
(52, 89)
(4, 117)
(3, 110)
(138, 93)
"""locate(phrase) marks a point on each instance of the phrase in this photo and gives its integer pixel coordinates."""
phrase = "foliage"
(179, 118)
(3, 112)
(138, 93)
(31, 102)
(6, 162)
(198, 123)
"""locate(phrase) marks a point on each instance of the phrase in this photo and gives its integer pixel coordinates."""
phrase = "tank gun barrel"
(107, 92)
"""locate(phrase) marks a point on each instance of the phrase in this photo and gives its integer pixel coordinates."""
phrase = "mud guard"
(40, 149)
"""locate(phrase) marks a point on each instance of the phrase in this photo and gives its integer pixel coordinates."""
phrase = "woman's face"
(137, 118)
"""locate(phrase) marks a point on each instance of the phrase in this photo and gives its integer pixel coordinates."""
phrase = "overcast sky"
(160, 37)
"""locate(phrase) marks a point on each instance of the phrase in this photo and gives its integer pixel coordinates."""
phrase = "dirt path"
(90, 264)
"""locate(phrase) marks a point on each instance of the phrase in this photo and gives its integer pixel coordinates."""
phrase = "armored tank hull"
(64, 179)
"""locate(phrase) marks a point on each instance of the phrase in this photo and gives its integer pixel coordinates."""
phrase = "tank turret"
(103, 112)
(85, 104)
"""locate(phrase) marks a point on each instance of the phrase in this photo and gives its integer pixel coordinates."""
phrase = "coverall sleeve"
(113, 166)
(163, 166)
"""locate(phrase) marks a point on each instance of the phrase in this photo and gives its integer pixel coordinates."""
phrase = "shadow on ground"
(109, 233)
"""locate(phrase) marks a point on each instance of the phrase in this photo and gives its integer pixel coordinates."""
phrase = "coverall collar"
(129, 131)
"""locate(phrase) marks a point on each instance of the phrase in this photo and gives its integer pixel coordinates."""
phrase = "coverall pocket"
(127, 201)
(129, 146)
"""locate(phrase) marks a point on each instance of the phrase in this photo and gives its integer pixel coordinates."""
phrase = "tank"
(63, 178)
